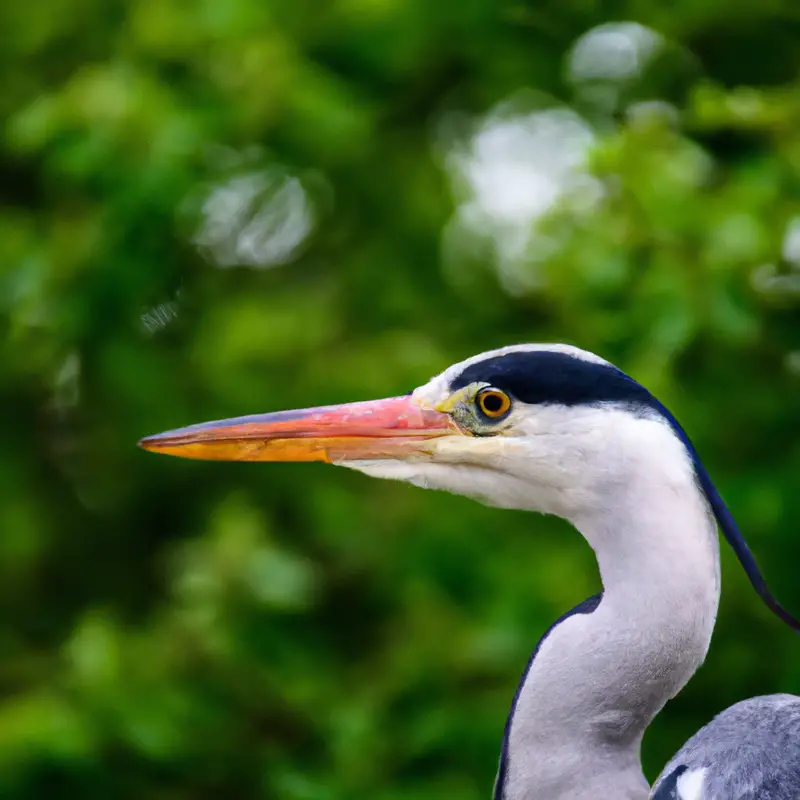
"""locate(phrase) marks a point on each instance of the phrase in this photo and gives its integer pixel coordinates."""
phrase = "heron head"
(540, 427)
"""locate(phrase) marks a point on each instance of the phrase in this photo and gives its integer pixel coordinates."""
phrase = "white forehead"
(439, 387)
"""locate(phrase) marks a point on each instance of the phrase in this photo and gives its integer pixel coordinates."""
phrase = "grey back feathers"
(751, 751)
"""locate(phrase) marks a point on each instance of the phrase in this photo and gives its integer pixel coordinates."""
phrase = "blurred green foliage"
(235, 206)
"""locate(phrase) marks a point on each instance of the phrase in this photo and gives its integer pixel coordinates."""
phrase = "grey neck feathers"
(599, 678)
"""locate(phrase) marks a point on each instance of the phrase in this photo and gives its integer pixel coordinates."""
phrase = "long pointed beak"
(391, 428)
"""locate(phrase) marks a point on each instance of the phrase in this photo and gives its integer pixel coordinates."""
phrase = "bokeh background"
(232, 206)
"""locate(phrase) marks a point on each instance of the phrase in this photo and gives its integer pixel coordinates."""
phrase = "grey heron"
(558, 430)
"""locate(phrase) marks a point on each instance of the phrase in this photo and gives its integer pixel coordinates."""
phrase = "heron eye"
(494, 403)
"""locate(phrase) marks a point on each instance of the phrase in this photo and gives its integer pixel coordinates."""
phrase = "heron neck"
(599, 678)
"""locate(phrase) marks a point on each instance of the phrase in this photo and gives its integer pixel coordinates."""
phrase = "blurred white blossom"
(258, 219)
(615, 51)
(514, 168)
(608, 59)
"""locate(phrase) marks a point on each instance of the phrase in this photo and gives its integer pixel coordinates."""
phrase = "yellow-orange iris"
(493, 403)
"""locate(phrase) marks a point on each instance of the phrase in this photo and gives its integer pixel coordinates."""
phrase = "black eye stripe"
(546, 377)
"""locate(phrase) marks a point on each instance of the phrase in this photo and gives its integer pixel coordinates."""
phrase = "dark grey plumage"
(751, 751)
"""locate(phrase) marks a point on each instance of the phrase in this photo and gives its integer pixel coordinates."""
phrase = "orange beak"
(391, 428)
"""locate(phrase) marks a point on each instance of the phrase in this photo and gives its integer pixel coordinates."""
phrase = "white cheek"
(387, 469)
(484, 485)
(424, 474)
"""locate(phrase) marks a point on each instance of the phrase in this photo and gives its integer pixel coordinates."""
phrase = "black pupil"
(493, 403)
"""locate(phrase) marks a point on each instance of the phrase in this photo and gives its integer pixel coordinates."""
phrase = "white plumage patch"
(690, 785)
